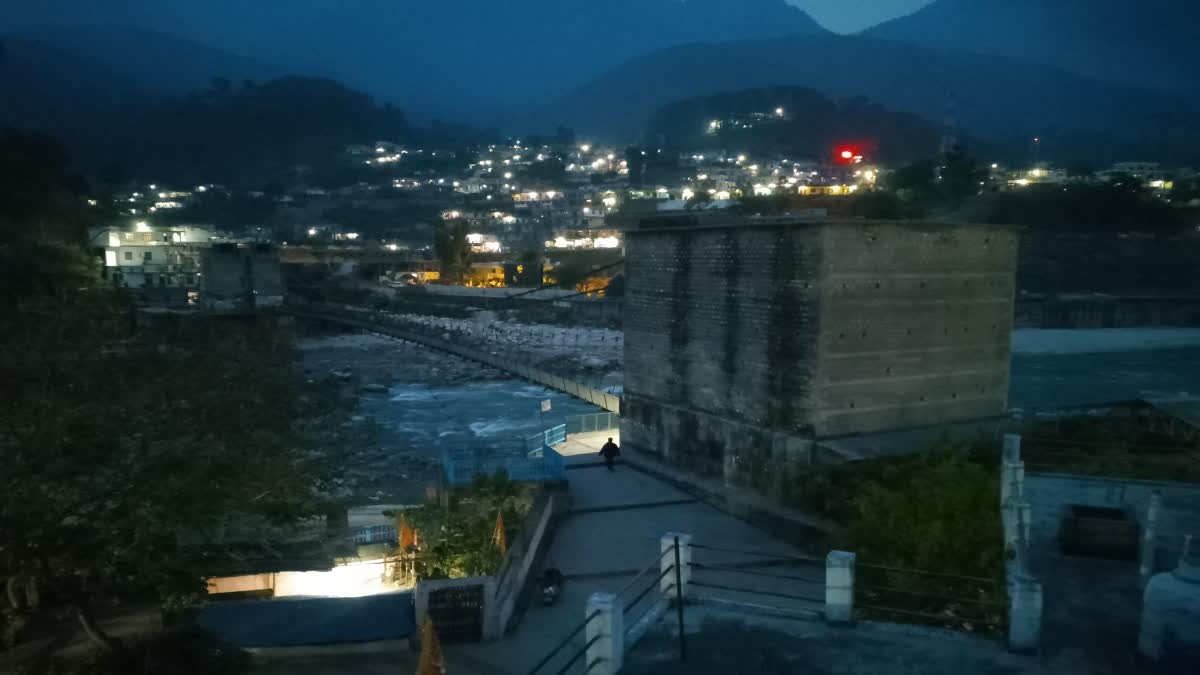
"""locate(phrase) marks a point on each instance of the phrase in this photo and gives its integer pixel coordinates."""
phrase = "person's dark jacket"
(610, 450)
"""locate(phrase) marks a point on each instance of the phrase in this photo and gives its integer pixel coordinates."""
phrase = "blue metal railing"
(463, 466)
(586, 424)
(375, 534)
(550, 437)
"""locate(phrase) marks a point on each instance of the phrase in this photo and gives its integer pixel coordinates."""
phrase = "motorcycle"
(552, 580)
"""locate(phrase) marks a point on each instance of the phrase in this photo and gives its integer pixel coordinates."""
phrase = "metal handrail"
(931, 596)
(761, 554)
(756, 573)
(944, 575)
(541, 664)
(656, 561)
(652, 586)
(774, 594)
(580, 653)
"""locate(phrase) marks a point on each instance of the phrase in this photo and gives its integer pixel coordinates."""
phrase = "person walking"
(610, 452)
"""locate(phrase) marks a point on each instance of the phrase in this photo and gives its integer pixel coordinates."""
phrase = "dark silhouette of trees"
(453, 250)
(635, 159)
(564, 136)
(960, 175)
(812, 126)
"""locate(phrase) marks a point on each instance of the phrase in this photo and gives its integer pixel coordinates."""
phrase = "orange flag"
(431, 661)
(408, 536)
(498, 537)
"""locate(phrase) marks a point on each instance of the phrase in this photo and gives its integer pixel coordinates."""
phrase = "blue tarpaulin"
(289, 622)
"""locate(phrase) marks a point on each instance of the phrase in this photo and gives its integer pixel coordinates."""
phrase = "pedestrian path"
(612, 532)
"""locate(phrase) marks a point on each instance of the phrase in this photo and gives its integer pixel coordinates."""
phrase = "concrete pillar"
(606, 656)
(667, 584)
(1012, 448)
(1012, 480)
(839, 587)
(1010, 455)
(1171, 610)
(1149, 545)
(1024, 614)
(1024, 515)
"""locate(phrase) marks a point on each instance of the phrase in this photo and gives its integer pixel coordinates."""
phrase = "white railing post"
(1024, 614)
(839, 587)
(1012, 488)
(1149, 547)
(666, 563)
(606, 655)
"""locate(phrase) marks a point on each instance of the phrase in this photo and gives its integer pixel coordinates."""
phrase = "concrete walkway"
(611, 533)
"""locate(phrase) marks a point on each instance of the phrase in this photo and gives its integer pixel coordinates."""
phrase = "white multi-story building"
(153, 257)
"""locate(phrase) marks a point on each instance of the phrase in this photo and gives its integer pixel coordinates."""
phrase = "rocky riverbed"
(414, 403)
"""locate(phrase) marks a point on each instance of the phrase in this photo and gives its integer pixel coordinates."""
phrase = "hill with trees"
(222, 129)
(469, 60)
(808, 124)
(1004, 101)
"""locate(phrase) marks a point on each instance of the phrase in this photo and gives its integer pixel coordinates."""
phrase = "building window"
(147, 237)
(147, 256)
(128, 236)
(129, 255)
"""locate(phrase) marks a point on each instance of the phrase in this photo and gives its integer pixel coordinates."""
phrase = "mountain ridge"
(996, 98)
(1154, 44)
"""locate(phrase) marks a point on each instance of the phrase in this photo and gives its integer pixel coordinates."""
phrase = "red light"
(847, 154)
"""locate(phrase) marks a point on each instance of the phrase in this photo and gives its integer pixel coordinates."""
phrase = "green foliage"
(938, 511)
(458, 538)
(122, 458)
(933, 512)
(1133, 444)
(178, 652)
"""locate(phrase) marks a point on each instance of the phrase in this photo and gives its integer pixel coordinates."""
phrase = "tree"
(1185, 191)
(564, 136)
(700, 197)
(122, 458)
(549, 171)
(39, 197)
(960, 175)
(635, 160)
(914, 181)
(453, 249)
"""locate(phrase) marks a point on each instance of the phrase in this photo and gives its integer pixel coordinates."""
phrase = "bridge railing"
(586, 424)
(463, 466)
(396, 327)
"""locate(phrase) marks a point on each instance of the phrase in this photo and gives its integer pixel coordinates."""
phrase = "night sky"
(848, 16)
(842, 16)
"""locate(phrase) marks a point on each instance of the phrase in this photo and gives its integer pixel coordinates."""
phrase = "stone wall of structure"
(915, 325)
(746, 341)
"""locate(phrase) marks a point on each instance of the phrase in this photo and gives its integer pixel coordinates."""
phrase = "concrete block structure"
(748, 342)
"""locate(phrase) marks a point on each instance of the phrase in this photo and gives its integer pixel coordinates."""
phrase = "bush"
(941, 514)
(187, 651)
